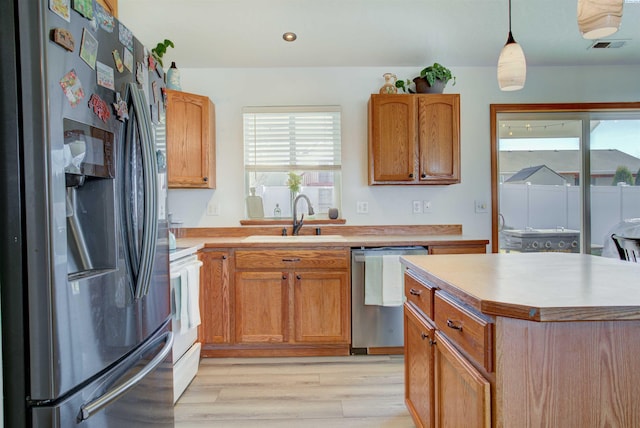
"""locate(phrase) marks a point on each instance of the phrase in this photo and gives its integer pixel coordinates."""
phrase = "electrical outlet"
(426, 206)
(417, 207)
(213, 208)
(481, 206)
(362, 207)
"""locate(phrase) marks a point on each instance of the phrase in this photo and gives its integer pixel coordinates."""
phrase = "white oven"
(185, 314)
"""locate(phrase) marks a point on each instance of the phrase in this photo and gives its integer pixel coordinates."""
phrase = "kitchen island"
(522, 340)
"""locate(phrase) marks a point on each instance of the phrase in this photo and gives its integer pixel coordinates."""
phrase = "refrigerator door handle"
(91, 408)
(143, 253)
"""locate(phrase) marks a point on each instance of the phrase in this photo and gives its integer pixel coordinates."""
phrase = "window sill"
(288, 221)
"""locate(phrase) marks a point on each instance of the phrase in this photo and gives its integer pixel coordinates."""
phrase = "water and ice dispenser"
(91, 207)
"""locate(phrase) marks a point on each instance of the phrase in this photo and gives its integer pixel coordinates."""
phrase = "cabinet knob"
(423, 175)
(414, 292)
(410, 175)
(205, 179)
(284, 276)
(424, 336)
(298, 277)
(224, 257)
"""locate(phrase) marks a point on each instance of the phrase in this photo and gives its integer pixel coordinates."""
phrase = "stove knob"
(534, 244)
(574, 244)
(561, 244)
(547, 244)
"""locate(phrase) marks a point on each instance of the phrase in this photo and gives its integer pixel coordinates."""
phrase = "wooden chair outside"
(628, 248)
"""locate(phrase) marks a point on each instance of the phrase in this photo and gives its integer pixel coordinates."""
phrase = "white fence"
(545, 207)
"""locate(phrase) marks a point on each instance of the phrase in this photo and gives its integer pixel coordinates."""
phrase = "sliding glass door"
(614, 164)
(564, 179)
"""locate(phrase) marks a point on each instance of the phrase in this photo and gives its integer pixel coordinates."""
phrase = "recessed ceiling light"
(289, 36)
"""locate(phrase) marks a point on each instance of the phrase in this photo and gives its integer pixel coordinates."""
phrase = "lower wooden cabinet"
(462, 394)
(313, 301)
(262, 308)
(275, 302)
(419, 359)
(215, 305)
(444, 386)
(321, 309)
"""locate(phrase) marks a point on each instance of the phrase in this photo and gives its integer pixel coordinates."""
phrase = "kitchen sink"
(294, 238)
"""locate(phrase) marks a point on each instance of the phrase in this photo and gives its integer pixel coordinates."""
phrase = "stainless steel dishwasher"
(374, 326)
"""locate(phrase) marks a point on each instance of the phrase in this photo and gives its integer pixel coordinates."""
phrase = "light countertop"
(537, 286)
(270, 241)
(184, 250)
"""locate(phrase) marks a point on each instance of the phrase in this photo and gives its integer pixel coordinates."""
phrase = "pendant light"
(512, 66)
(599, 18)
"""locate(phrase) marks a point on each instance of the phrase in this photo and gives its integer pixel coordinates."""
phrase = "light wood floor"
(336, 392)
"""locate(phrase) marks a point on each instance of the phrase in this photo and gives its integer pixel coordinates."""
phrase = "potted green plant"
(160, 49)
(432, 79)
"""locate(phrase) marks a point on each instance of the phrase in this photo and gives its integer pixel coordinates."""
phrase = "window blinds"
(285, 139)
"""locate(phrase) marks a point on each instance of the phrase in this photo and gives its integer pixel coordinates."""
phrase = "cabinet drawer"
(292, 259)
(419, 294)
(467, 330)
(458, 249)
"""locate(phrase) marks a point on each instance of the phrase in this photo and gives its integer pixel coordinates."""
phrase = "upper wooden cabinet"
(190, 141)
(414, 139)
(110, 6)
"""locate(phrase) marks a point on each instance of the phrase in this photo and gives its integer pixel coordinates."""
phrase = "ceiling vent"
(608, 44)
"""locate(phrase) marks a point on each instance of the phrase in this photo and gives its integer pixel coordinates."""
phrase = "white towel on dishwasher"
(392, 285)
(373, 279)
(383, 283)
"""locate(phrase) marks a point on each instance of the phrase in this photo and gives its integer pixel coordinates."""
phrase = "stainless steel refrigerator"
(84, 276)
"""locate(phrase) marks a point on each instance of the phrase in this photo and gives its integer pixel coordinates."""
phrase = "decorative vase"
(389, 86)
(173, 77)
(423, 87)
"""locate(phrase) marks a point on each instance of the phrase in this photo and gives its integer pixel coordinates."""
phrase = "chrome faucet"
(297, 225)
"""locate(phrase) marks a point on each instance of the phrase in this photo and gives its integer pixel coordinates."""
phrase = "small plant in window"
(293, 182)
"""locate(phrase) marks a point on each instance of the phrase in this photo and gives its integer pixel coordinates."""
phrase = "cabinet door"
(392, 139)
(418, 367)
(262, 302)
(214, 298)
(110, 6)
(190, 141)
(462, 393)
(321, 307)
(439, 138)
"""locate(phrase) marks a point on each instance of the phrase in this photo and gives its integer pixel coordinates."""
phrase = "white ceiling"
(248, 33)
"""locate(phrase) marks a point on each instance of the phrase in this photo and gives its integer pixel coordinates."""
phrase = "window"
(290, 151)
(565, 176)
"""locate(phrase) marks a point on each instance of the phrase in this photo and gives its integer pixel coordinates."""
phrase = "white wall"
(231, 89)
